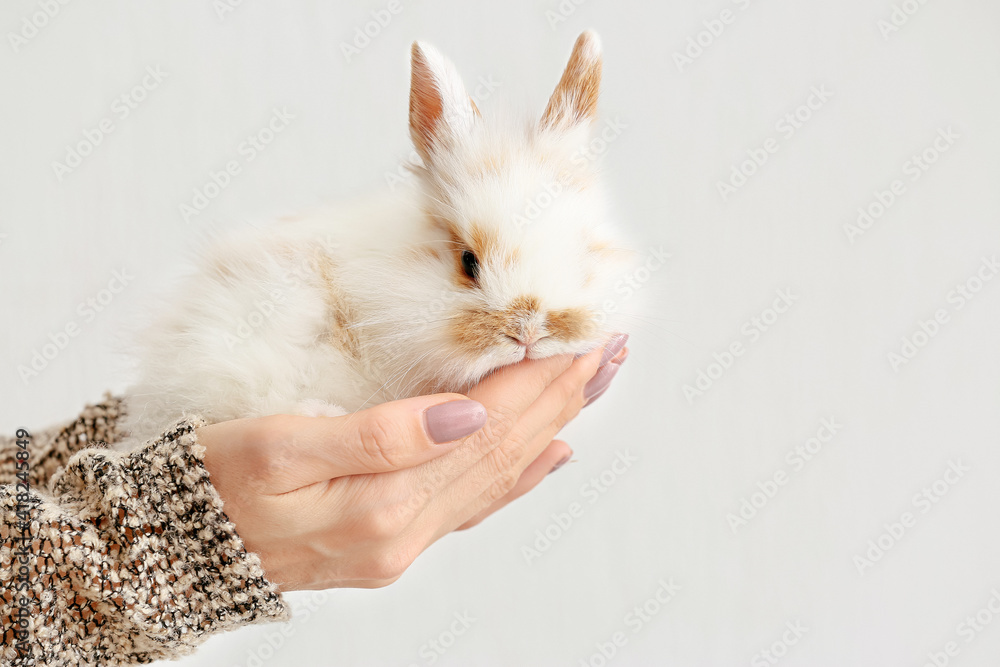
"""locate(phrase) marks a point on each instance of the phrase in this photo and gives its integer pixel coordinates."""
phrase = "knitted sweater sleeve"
(114, 558)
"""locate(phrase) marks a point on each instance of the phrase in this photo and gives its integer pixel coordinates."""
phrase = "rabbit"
(503, 249)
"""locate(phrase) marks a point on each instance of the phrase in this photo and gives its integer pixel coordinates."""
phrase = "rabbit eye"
(470, 264)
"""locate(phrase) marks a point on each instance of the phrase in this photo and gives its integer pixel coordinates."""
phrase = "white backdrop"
(817, 498)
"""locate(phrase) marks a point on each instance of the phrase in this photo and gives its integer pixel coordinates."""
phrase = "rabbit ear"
(439, 106)
(575, 98)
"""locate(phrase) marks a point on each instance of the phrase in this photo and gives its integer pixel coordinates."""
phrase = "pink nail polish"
(613, 347)
(563, 461)
(449, 421)
(600, 381)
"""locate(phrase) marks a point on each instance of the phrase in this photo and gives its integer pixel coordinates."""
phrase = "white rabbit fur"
(348, 307)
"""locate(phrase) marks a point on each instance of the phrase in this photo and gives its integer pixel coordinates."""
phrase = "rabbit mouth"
(528, 347)
(538, 347)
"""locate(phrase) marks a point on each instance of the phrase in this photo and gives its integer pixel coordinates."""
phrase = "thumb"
(391, 436)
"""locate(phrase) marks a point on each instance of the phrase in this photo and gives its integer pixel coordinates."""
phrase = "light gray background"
(666, 516)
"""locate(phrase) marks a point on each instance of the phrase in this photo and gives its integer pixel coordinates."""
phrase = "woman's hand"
(351, 501)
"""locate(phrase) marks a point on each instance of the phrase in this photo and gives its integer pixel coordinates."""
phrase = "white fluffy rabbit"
(503, 250)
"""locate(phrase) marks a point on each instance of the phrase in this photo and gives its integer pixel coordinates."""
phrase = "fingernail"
(449, 421)
(617, 363)
(597, 396)
(600, 381)
(613, 347)
(563, 461)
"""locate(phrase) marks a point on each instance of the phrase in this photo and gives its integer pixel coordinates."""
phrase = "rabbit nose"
(527, 338)
(525, 324)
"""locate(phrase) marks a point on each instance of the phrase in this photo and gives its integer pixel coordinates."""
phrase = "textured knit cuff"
(162, 552)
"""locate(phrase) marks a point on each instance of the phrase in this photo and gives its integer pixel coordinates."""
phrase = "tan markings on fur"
(576, 178)
(476, 330)
(565, 172)
(601, 248)
(442, 224)
(520, 315)
(569, 324)
(483, 242)
(222, 270)
(425, 103)
(511, 257)
(342, 316)
(488, 248)
(523, 306)
(456, 245)
(491, 165)
(475, 109)
(575, 98)
(291, 251)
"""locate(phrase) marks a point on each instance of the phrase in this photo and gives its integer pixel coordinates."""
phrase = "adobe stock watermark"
(432, 650)
(740, 173)
(121, 108)
(591, 491)
(19, 539)
(561, 13)
(913, 169)
(278, 635)
(485, 87)
(32, 24)
(224, 8)
(968, 629)
(899, 16)
(712, 30)
(927, 329)
(87, 311)
(363, 34)
(550, 192)
(633, 281)
(260, 312)
(924, 500)
(796, 458)
(750, 331)
(772, 655)
(247, 151)
(637, 618)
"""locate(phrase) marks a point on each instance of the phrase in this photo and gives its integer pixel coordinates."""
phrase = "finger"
(569, 413)
(554, 455)
(299, 451)
(497, 472)
(495, 492)
(620, 357)
(391, 436)
(598, 386)
(506, 399)
(505, 394)
(510, 390)
(562, 399)
(411, 498)
(398, 435)
(572, 408)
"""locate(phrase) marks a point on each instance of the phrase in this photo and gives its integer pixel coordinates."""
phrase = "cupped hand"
(351, 501)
